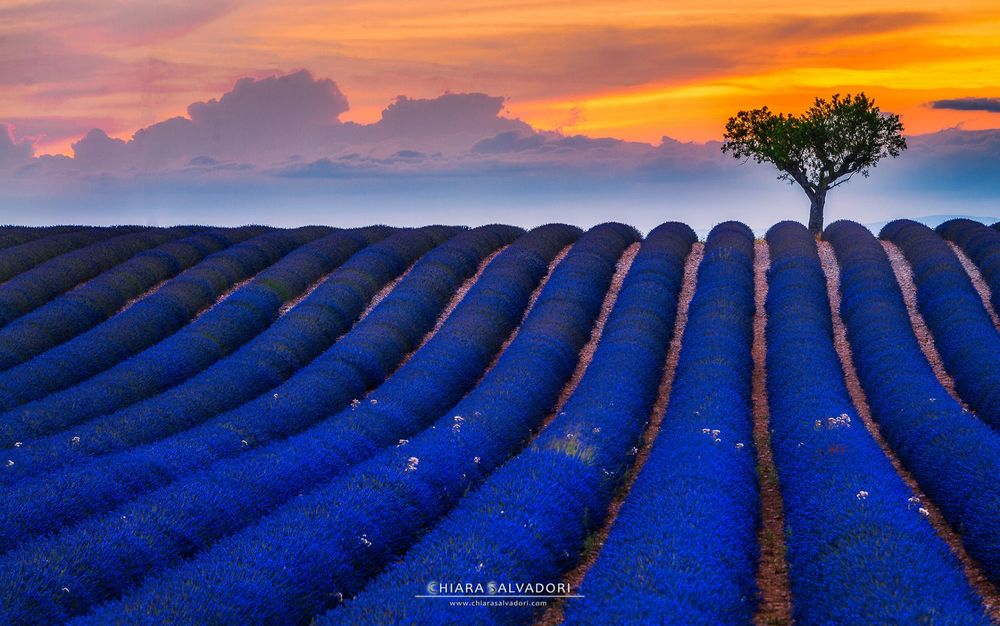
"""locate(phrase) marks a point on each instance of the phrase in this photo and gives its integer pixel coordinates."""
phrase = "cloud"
(263, 120)
(277, 101)
(115, 23)
(12, 151)
(268, 116)
(289, 126)
(409, 154)
(266, 121)
(321, 168)
(949, 172)
(509, 141)
(458, 155)
(452, 122)
(46, 129)
(73, 47)
(449, 114)
(98, 150)
(148, 78)
(40, 58)
(953, 161)
(144, 23)
(968, 104)
(546, 62)
(551, 143)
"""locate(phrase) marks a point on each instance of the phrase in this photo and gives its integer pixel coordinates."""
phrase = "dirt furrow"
(587, 352)
(459, 295)
(772, 570)
(527, 310)
(132, 301)
(984, 291)
(222, 297)
(904, 276)
(463, 290)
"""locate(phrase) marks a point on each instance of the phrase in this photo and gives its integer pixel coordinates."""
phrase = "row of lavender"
(123, 406)
(162, 447)
(356, 363)
(331, 540)
(528, 521)
(851, 522)
(952, 454)
(149, 321)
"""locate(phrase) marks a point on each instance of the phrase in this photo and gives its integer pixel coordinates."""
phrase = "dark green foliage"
(820, 149)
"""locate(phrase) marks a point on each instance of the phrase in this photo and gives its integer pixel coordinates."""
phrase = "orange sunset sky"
(628, 69)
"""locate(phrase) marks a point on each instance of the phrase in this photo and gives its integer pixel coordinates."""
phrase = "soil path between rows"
(904, 276)
(978, 283)
(775, 606)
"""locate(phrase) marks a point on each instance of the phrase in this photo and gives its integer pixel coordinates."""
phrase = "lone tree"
(821, 149)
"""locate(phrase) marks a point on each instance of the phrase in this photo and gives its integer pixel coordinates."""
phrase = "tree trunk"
(816, 213)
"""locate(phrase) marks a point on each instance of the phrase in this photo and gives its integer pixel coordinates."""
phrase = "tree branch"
(841, 182)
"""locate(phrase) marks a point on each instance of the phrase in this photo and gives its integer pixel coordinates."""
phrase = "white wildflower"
(841, 421)
(402, 442)
(862, 495)
(739, 446)
(364, 540)
(276, 396)
(634, 451)
(65, 589)
(715, 433)
(374, 401)
(244, 442)
(705, 431)
(476, 459)
(819, 424)
(912, 501)
(75, 441)
(10, 463)
(597, 430)
(18, 444)
(411, 464)
(355, 403)
(923, 511)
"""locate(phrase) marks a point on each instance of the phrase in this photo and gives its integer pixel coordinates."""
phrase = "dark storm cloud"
(968, 104)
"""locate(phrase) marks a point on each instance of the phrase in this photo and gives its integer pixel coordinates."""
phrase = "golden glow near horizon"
(636, 70)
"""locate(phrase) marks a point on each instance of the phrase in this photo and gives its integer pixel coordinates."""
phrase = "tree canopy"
(822, 148)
